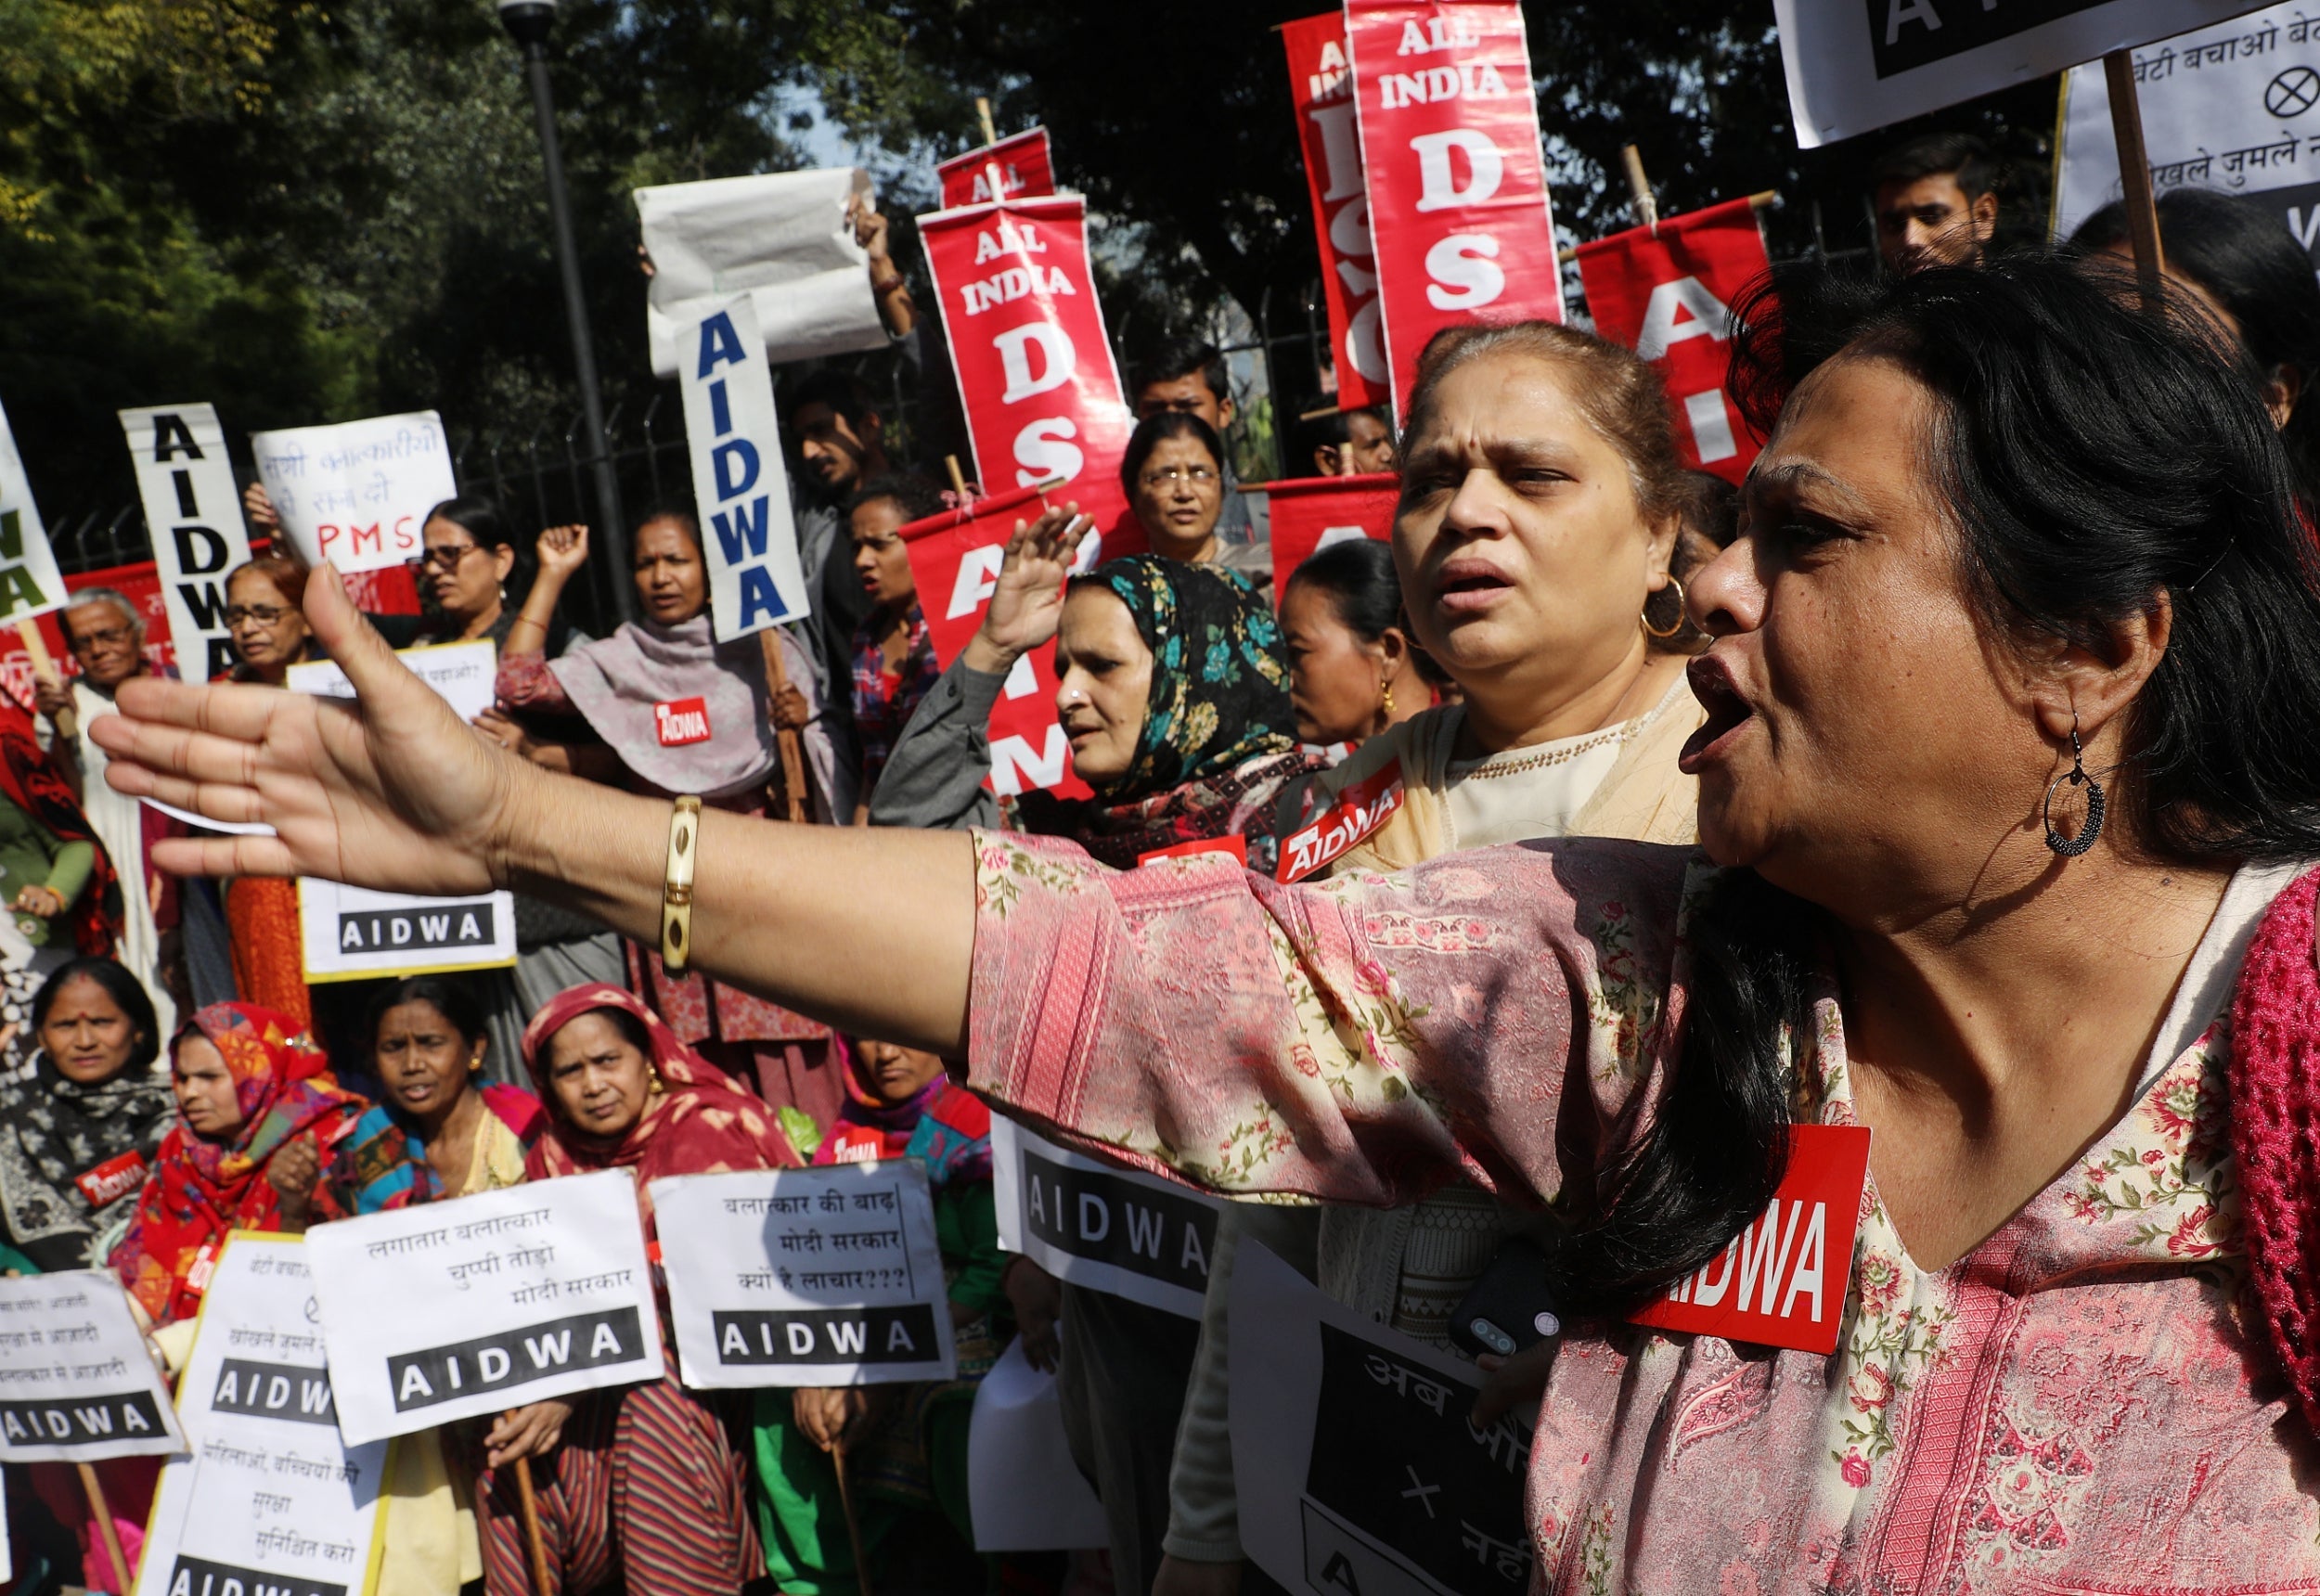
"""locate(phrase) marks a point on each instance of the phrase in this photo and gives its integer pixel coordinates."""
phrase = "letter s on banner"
(1458, 216)
(1666, 294)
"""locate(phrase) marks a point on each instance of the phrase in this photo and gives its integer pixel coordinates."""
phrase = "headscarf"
(617, 681)
(694, 1124)
(53, 1129)
(384, 1166)
(200, 1189)
(30, 779)
(867, 1125)
(1219, 737)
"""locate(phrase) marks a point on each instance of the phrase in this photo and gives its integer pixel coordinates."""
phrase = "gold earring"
(1681, 617)
(475, 1064)
(1385, 701)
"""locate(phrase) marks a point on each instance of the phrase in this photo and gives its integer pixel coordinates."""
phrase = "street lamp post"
(528, 23)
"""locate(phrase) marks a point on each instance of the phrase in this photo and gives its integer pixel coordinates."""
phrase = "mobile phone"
(1511, 1307)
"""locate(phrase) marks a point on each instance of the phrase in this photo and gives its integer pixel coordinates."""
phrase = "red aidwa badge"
(108, 1182)
(680, 721)
(1781, 1282)
(1236, 845)
(1359, 810)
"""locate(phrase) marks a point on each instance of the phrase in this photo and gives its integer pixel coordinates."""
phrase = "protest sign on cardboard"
(1356, 1464)
(356, 494)
(829, 1276)
(783, 239)
(1101, 1227)
(1666, 292)
(1320, 87)
(1018, 167)
(348, 934)
(1028, 343)
(30, 583)
(1310, 513)
(1855, 65)
(267, 1493)
(193, 518)
(457, 1309)
(76, 1383)
(1459, 223)
(740, 482)
(2233, 107)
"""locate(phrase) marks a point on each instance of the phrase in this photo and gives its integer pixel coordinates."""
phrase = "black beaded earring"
(2071, 847)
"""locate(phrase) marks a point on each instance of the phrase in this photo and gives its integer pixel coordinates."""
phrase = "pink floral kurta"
(2073, 1406)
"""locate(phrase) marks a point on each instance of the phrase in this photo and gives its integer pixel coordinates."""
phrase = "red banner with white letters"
(1666, 295)
(954, 559)
(1028, 343)
(1459, 217)
(1025, 168)
(1321, 84)
(1310, 513)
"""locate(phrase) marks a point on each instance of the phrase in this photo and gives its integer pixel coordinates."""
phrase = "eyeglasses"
(1199, 476)
(444, 557)
(264, 614)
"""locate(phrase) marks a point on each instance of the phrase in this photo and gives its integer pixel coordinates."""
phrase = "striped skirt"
(646, 1492)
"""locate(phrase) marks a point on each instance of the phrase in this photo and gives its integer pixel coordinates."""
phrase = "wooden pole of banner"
(45, 667)
(535, 1549)
(853, 1524)
(793, 750)
(105, 1529)
(2134, 175)
(958, 479)
(1640, 189)
(982, 111)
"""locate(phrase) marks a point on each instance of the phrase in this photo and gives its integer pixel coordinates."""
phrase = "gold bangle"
(677, 892)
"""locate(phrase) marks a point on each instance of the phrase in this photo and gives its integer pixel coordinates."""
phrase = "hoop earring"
(1681, 618)
(2071, 847)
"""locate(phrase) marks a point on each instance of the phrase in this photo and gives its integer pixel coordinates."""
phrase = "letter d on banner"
(194, 516)
(740, 479)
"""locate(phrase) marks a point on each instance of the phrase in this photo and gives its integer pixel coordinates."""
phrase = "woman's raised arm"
(871, 930)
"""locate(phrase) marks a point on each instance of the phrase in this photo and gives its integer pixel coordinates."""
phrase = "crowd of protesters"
(2014, 540)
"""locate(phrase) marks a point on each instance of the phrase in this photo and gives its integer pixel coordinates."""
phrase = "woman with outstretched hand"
(2010, 546)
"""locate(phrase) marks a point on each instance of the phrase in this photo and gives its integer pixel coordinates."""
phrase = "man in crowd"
(1351, 442)
(1188, 375)
(1936, 202)
(105, 633)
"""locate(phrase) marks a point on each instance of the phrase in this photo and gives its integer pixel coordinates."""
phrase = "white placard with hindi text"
(356, 494)
(457, 1309)
(1101, 1227)
(193, 518)
(1855, 65)
(267, 1493)
(30, 583)
(2233, 107)
(805, 1276)
(350, 933)
(76, 1383)
(741, 482)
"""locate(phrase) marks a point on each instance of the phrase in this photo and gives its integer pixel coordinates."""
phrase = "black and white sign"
(350, 933)
(1855, 65)
(267, 1494)
(805, 1276)
(740, 482)
(1357, 1466)
(484, 1303)
(355, 494)
(2234, 107)
(76, 1384)
(194, 515)
(1108, 1230)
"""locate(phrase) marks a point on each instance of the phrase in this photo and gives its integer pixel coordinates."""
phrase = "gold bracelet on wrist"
(676, 891)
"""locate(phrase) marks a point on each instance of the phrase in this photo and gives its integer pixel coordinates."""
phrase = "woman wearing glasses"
(1174, 474)
(473, 575)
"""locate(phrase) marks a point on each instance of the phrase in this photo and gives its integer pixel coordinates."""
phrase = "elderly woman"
(642, 1488)
(2011, 545)
(1174, 475)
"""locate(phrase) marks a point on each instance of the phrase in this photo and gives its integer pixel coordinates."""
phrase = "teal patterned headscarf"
(1219, 691)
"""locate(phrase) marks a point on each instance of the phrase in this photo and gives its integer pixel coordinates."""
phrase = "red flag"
(1320, 82)
(954, 559)
(1664, 294)
(1459, 213)
(1027, 169)
(1310, 513)
(1028, 343)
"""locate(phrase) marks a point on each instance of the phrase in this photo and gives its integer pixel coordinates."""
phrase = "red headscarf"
(694, 1124)
(200, 1189)
(30, 779)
